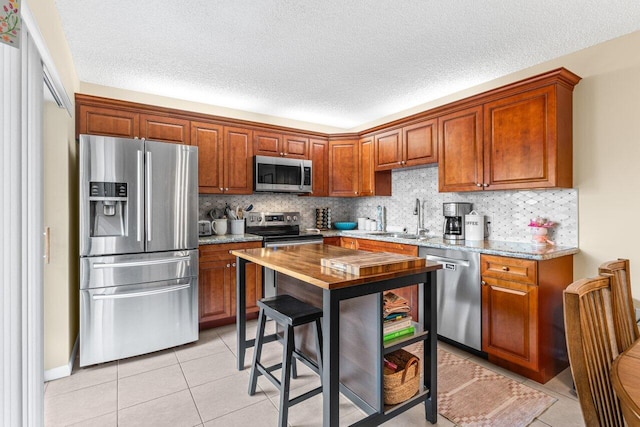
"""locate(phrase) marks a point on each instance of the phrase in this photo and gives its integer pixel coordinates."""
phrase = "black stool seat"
(288, 312)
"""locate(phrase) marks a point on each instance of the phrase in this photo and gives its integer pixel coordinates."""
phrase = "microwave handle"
(301, 174)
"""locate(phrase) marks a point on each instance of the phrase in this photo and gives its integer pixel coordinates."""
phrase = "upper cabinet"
(280, 145)
(224, 158)
(516, 137)
(412, 145)
(165, 129)
(94, 120)
(460, 150)
(319, 150)
(351, 170)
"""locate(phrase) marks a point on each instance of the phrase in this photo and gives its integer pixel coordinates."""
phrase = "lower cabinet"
(522, 316)
(217, 284)
(408, 292)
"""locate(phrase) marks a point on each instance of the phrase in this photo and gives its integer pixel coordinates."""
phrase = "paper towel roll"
(396, 229)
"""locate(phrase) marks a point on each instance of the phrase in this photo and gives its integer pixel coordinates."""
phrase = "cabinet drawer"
(222, 252)
(512, 269)
(396, 248)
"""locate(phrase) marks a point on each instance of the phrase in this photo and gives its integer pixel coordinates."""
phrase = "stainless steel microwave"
(282, 175)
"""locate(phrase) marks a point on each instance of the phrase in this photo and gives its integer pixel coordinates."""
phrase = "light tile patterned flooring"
(197, 385)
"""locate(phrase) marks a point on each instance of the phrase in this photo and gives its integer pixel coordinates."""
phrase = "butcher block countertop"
(304, 263)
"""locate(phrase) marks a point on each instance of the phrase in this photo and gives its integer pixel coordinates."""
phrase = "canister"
(474, 226)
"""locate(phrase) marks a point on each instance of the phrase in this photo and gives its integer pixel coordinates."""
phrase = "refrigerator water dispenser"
(108, 209)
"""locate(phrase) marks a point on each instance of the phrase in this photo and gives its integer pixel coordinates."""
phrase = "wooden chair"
(624, 317)
(592, 348)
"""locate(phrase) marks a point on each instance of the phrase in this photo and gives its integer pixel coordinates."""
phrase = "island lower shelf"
(360, 352)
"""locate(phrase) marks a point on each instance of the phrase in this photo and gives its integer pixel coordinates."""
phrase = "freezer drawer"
(118, 270)
(125, 321)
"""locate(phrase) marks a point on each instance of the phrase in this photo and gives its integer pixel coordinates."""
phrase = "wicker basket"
(403, 383)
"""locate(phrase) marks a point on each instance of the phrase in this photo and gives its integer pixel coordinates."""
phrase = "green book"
(397, 334)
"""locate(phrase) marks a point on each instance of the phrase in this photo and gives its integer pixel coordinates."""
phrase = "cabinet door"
(334, 241)
(509, 321)
(460, 151)
(388, 150)
(343, 168)
(215, 290)
(107, 121)
(253, 287)
(296, 147)
(348, 242)
(420, 143)
(520, 141)
(165, 129)
(366, 182)
(238, 152)
(267, 143)
(320, 161)
(208, 138)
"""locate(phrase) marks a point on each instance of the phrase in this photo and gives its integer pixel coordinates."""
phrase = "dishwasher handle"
(444, 260)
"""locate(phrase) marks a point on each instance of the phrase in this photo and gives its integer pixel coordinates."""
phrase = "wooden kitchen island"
(353, 349)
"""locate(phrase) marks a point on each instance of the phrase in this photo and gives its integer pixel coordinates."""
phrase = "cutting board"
(364, 264)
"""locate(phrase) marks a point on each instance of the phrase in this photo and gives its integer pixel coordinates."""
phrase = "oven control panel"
(268, 219)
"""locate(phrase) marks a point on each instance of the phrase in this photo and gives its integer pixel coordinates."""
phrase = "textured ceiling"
(333, 62)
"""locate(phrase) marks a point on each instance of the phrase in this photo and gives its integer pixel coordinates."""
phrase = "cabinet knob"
(226, 189)
(355, 192)
(485, 185)
(478, 185)
(221, 189)
(399, 162)
(505, 268)
(404, 163)
(229, 250)
(228, 265)
(285, 154)
(483, 283)
(233, 265)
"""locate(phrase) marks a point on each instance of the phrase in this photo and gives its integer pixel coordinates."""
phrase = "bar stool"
(287, 312)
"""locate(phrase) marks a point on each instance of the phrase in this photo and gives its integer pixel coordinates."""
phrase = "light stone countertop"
(488, 247)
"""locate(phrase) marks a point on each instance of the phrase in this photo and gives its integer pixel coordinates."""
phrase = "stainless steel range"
(278, 229)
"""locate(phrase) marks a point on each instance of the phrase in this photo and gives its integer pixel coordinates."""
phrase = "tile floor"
(197, 385)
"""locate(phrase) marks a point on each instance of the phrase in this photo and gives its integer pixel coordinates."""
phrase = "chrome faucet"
(418, 211)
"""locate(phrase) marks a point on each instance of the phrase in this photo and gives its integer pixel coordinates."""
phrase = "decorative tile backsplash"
(508, 212)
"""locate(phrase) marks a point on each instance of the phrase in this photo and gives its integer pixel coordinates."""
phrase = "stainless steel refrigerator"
(138, 247)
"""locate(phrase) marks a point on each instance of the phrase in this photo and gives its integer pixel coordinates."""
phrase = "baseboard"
(65, 370)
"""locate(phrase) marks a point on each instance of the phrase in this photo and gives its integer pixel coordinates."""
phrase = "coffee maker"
(454, 213)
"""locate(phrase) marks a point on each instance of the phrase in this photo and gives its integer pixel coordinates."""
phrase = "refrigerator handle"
(142, 293)
(148, 192)
(100, 265)
(140, 189)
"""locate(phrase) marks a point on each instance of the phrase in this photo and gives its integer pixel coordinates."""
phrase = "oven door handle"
(292, 243)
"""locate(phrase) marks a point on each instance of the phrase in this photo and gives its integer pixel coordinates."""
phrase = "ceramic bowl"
(345, 225)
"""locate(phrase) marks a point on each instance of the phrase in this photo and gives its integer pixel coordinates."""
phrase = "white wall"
(60, 199)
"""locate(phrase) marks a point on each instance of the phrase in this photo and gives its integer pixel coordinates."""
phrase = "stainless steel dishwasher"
(459, 295)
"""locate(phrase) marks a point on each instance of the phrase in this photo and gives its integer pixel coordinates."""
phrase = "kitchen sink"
(399, 235)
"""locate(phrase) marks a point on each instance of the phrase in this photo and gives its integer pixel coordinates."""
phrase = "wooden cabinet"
(411, 145)
(366, 183)
(527, 140)
(95, 120)
(388, 150)
(420, 143)
(217, 284)
(520, 138)
(333, 240)
(166, 129)
(281, 145)
(522, 321)
(344, 168)
(319, 154)
(460, 150)
(351, 170)
(238, 161)
(122, 123)
(224, 158)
